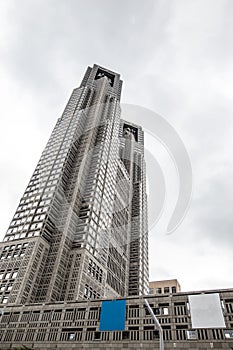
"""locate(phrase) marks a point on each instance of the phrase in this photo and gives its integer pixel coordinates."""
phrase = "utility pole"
(158, 327)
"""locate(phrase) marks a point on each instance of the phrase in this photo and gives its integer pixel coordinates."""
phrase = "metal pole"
(161, 344)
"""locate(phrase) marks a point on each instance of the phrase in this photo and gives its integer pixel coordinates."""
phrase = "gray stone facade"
(76, 325)
(80, 230)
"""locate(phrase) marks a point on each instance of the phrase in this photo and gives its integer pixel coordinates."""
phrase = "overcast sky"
(175, 58)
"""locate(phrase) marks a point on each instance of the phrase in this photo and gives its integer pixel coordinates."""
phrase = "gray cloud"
(213, 211)
(175, 58)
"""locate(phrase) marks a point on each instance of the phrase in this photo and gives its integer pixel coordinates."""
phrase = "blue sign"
(112, 316)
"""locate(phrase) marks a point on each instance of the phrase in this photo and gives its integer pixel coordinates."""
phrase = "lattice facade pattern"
(76, 325)
(80, 230)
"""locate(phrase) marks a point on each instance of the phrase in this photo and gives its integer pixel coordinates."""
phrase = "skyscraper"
(80, 232)
(80, 229)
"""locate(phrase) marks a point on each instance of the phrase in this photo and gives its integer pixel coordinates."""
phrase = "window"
(228, 333)
(15, 274)
(97, 335)
(158, 290)
(125, 335)
(9, 287)
(7, 275)
(173, 289)
(71, 336)
(166, 289)
(4, 300)
(165, 310)
(191, 334)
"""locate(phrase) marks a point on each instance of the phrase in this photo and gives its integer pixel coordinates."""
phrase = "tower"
(80, 229)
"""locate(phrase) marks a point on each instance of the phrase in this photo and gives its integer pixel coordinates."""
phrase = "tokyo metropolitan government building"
(80, 229)
(74, 261)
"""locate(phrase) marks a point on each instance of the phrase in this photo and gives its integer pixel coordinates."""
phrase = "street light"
(158, 327)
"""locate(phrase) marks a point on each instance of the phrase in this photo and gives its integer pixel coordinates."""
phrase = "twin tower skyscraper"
(80, 230)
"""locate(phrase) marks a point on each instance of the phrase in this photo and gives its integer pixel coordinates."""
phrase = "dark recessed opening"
(129, 129)
(125, 335)
(102, 73)
(97, 335)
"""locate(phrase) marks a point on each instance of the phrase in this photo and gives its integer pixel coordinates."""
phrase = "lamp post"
(158, 327)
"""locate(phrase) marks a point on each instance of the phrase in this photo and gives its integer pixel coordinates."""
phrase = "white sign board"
(206, 311)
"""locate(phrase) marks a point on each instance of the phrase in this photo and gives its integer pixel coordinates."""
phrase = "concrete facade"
(76, 325)
(80, 230)
(79, 236)
(164, 287)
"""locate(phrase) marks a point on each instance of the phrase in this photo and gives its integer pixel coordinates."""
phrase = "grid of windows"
(79, 323)
(76, 212)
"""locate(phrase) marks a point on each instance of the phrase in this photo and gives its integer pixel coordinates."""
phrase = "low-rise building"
(98, 324)
(165, 287)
